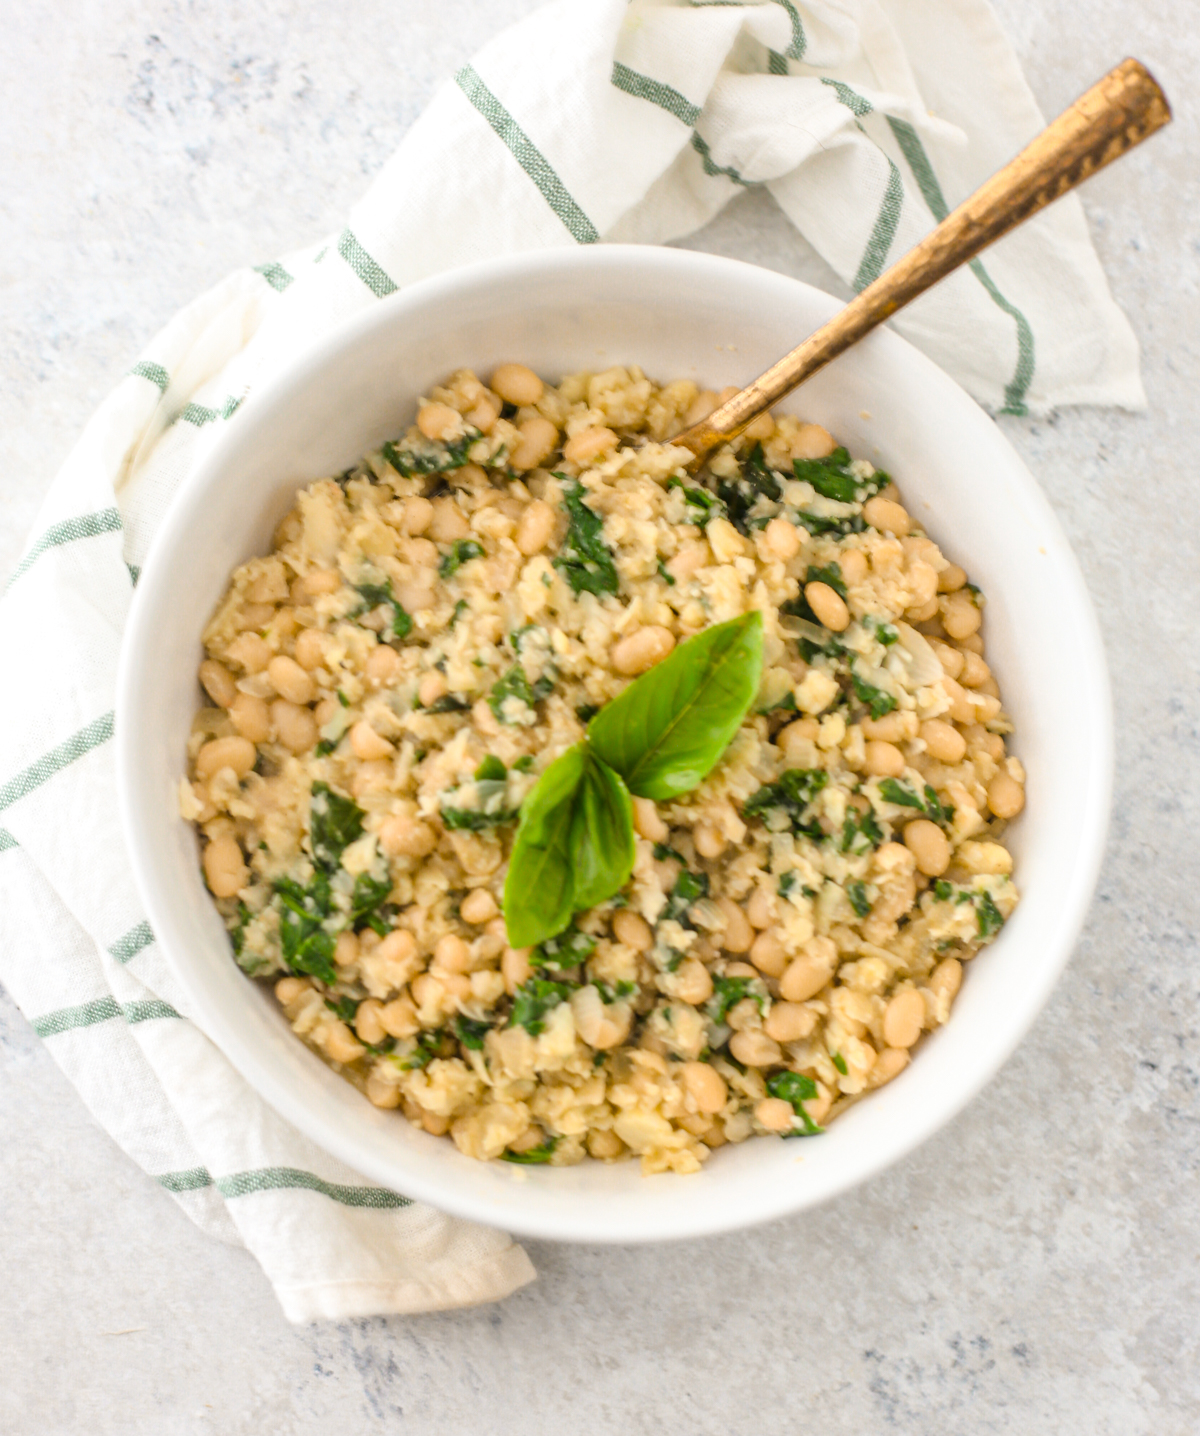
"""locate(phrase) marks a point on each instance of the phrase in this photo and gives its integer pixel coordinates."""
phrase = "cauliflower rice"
(436, 625)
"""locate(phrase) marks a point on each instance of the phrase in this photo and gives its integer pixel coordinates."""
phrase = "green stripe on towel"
(642, 87)
(100, 730)
(126, 948)
(380, 283)
(144, 369)
(103, 521)
(272, 1179)
(931, 190)
(101, 1009)
(275, 275)
(528, 156)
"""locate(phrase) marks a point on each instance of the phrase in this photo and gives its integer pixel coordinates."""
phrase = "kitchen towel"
(589, 121)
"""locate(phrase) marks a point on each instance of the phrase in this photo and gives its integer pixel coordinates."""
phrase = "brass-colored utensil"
(1117, 113)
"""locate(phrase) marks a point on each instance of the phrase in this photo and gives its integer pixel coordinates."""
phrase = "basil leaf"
(539, 889)
(669, 728)
(601, 835)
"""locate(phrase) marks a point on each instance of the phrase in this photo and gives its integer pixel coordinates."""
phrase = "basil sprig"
(665, 733)
(574, 847)
(660, 738)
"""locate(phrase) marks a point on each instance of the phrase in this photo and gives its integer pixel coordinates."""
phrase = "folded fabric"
(590, 120)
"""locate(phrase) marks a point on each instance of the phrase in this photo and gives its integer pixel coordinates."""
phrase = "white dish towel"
(590, 120)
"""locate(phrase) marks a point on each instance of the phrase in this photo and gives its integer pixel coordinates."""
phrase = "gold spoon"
(1117, 113)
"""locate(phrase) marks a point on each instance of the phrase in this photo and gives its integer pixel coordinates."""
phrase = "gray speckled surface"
(1036, 1267)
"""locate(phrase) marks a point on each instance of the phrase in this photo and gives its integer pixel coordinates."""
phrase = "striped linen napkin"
(590, 120)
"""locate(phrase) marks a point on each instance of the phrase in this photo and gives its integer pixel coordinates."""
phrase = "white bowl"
(676, 314)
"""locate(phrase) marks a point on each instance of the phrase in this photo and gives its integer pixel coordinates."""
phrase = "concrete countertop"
(1034, 1268)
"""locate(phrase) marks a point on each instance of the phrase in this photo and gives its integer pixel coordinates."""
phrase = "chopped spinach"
(988, 917)
(585, 712)
(860, 832)
(886, 633)
(942, 890)
(491, 770)
(471, 1032)
(790, 881)
(344, 1007)
(689, 888)
(567, 950)
(878, 702)
(368, 897)
(515, 684)
(587, 561)
(817, 524)
(856, 891)
(791, 794)
(609, 995)
(428, 1046)
(523, 763)
(700, 504)
(830, 575)
(460, 551)
(373, 594)
(728, 992)
(893, 791)
(334, 823)
(537, 1156)
(832, 479)
(740, 496)
(307, 945)
(839, 1062)
(431, 458)
(795, 1089)
(668, 578)
(449, 703)
(786, 704)
(459, 609)
(533, 999)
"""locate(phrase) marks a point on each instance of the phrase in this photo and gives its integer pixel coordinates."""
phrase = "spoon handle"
(1117, 113)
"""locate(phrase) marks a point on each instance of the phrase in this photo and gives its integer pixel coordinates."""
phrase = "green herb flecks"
(471, 1032)
(988, 917)
(891, 790)
(877, 701)
(586, 561)
(538, 1156)
(791, 795)
(728, 992)
(533, 1000)
(375, 594)
(343, 1007)
(427, 1046)
(839, 1062)
(748, 497)
(861, 832)
(700, 504)
(460, 551)
(334, 823)
(856, 892)
(689, 888)
(429, 456)
(516, 684)
(567, 950)
(796, 1089)
(449, 703)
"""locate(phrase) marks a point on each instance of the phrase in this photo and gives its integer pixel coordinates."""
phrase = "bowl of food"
(586, 845)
